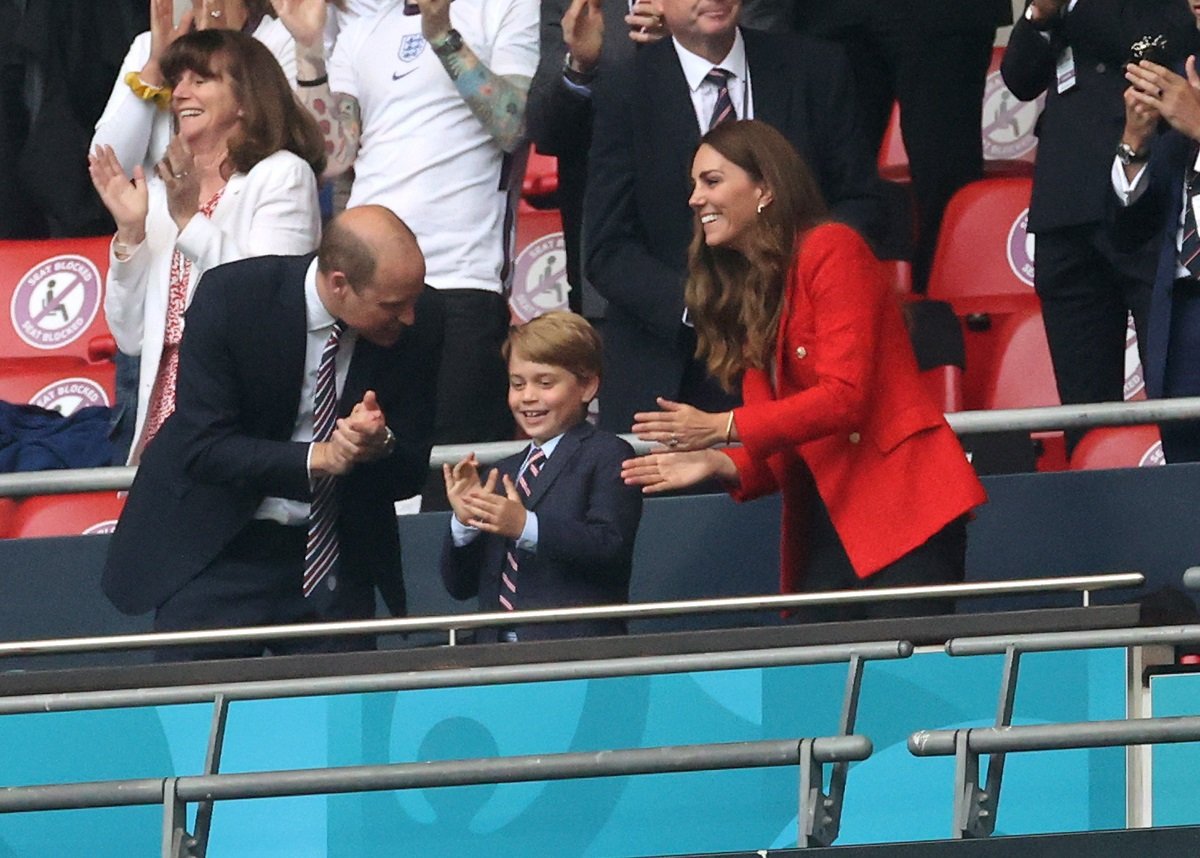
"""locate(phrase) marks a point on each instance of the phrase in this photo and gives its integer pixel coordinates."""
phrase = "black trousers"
(938, 81)
(940, 560)
(1087, 291)
(472, 392)
(256, 581)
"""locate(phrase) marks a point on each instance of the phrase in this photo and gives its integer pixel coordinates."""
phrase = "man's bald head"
(368, 240)
(371, 272)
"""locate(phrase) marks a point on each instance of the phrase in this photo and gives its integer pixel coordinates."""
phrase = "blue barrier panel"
(1175, 768)
(892, 796)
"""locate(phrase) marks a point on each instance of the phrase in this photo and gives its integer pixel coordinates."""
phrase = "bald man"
(255, 505)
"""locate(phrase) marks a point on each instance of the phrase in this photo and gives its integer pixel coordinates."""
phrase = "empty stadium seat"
(1118, 447)
(8, 508)
(539, 279)
(983, 267)
(541, 177)
(63, 384)
(66, 515)
(54, 290)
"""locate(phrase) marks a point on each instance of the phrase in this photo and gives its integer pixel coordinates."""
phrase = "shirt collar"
(318, 316)
(695, 67)
(546, 448)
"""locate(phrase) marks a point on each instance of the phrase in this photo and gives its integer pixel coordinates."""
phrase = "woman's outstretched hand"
(680, 427)
(663, 472)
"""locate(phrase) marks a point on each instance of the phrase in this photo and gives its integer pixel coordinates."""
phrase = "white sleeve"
(125, 298)
(285, 219)
(515, 41)
(1128, 192)
(127, 122)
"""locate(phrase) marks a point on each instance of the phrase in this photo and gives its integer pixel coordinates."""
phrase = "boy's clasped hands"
(479, 504)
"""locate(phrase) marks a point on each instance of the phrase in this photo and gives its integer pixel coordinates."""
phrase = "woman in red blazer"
(801, 310)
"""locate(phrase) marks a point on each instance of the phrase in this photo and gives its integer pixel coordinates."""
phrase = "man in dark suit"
(638, 224)
(1160, 200)
(1087, 285)
(932, 57)
(224, 506)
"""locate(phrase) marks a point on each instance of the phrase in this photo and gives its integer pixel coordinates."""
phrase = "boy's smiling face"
(545, 399)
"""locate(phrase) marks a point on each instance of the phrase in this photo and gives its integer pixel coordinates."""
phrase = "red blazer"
(851, 409)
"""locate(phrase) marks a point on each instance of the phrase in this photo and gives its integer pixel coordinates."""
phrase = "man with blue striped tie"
(304, 410)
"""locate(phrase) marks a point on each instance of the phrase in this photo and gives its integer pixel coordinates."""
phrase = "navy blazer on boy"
(587, 522)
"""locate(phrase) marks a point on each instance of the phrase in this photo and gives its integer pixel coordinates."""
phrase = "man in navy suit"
(554, 526)
(216, 528)
(647, 124)
(1162, 198)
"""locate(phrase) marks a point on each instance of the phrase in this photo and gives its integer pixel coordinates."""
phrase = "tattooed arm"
(336, 112)
(498, 101)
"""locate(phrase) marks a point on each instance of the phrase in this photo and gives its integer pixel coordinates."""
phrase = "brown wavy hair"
(736, 299)
(272, 119)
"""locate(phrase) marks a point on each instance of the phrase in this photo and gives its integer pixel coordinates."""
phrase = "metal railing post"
(212, 764)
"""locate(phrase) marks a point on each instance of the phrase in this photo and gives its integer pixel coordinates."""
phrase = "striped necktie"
(322, 552)
(508, 576)
(1189, 248)
(723, 109)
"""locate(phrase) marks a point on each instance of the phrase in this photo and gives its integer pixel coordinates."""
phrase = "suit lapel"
(557, 463)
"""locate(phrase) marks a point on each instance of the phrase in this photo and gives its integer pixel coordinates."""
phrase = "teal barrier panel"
(891, 797)
(1174, 767)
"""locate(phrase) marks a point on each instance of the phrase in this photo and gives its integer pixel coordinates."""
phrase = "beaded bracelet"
(160, 95)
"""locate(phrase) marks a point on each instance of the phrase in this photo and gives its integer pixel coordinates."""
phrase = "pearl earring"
(761, 206)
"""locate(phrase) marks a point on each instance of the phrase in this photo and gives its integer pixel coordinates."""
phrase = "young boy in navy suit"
(553, 526)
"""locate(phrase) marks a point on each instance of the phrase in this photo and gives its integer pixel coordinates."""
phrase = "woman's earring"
(761, 206)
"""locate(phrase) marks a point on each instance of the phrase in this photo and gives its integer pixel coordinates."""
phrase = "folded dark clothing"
(37, 439)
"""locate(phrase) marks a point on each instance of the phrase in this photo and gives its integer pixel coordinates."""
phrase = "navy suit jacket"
(636, 215)
(228, 444)
(1157, 216)
(587, 523)
(1079, 130)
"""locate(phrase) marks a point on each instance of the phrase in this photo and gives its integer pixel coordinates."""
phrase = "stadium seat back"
(66, 515)
(1118, 447)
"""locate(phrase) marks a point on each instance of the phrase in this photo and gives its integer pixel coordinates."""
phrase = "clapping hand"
(177, 169)
(583, 33)
(304, 19)
(126, 199)
(1177, 99)
(662, 472)
(646, 22)
(503, 514)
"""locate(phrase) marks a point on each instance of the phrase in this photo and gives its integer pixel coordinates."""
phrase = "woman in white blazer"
(238, 180)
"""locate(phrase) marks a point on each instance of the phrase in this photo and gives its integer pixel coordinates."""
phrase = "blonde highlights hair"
(735, 298)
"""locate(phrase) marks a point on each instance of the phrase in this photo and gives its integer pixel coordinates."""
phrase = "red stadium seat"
(1022, 375)
(541, 177)
(983, 267)
(55, 349)
(8, 508)
(539, 281)
(66, 515)
(1118, 447)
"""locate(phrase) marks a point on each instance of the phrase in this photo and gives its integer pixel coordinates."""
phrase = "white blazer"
(272, 209)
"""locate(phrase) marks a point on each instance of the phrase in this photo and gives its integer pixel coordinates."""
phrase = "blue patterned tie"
(723, 109)
(322, 552)
(508, 577)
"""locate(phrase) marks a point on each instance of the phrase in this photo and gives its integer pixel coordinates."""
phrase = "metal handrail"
(1056, 737)
(1050, 641)
(392, 776)
(461, 677)
(452, 622)
(962, 422)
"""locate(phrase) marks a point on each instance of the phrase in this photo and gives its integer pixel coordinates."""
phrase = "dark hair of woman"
(735, 299)
(272, 119)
